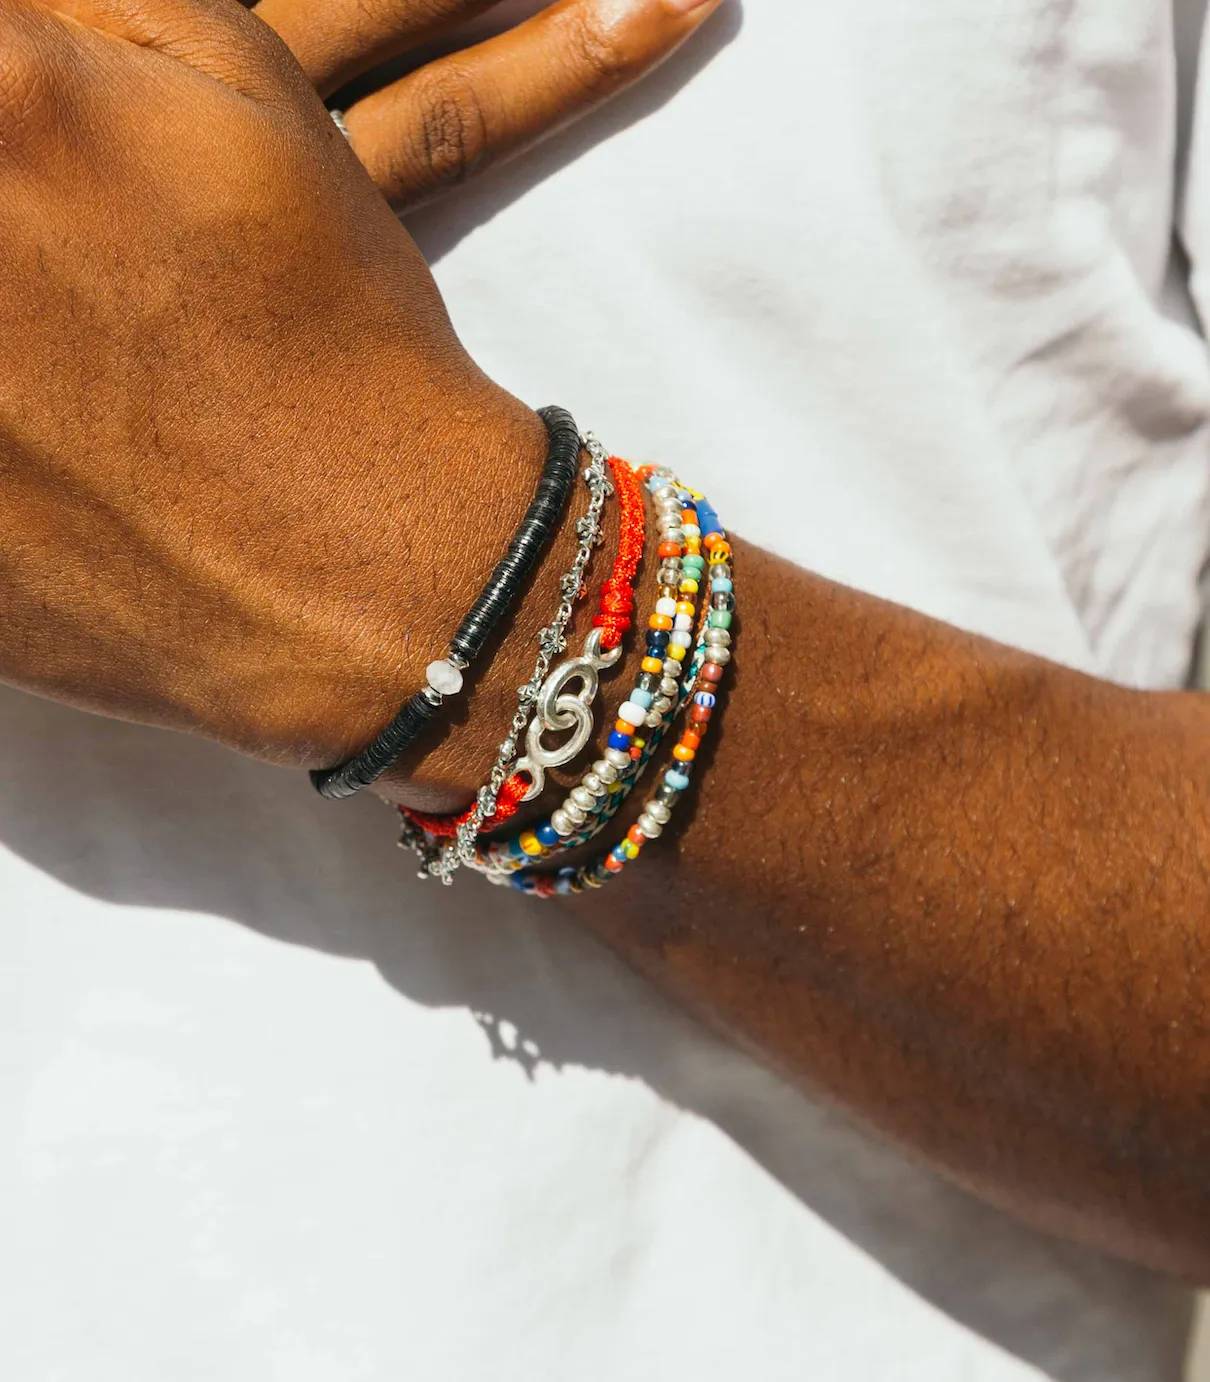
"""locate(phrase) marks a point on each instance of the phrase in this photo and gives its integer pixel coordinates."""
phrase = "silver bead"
(651, 828)
(718, 638)
(664, 492)
(668, 686)
(563, 823)
(672, 668)
(662, 704)
(605, 771)
(573, 812)
(594, 784)
(617, 758)
(657, 811)
(584, 798)
(720, 656)
(653, 719)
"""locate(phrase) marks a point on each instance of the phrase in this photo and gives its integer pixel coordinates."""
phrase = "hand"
(453, 117)
(243, 458)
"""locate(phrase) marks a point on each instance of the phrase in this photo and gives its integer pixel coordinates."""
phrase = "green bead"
(720, 618)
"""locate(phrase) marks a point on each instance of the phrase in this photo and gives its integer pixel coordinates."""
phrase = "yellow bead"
(689, 586)
(683, 607)
(530, 843)
(676, 654)
(653, 665)
(630, 849)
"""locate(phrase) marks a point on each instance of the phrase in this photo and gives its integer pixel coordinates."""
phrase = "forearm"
(963, 893)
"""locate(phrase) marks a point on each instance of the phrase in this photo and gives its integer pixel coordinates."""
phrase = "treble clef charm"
(556, 711)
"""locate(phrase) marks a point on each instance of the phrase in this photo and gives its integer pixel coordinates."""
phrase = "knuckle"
(451, 134)
(601, 53)
(24, 80)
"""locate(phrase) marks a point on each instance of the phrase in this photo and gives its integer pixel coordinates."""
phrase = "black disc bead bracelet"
(444, 678)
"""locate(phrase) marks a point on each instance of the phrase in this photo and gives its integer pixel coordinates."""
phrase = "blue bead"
(679, 780)
(523, 882)
(514, 847)
(618, 740)
(657, 638)
(720, 583)
(547, 835)
(642, 699)
(700, 698)
(563, 882)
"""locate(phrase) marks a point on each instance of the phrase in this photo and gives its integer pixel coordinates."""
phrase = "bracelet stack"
(675, 690)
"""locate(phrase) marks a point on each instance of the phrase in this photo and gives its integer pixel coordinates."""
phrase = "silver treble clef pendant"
(556, 710)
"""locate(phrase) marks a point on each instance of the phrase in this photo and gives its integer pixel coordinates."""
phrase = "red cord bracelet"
(614, 609)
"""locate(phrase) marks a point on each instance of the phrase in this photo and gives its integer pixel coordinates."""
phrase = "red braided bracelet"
(615, 606)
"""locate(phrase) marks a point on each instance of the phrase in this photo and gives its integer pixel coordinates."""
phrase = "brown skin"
(457, 115)
(956, 889)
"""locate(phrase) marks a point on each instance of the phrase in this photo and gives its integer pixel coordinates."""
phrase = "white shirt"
(888, 281)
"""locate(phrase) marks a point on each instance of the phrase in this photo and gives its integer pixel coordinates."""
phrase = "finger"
(337, 40)
(450, 120)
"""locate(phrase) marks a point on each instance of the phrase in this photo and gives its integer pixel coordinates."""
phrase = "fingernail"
(688, 6)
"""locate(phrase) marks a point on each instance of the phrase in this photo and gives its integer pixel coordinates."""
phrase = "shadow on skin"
(150, 819)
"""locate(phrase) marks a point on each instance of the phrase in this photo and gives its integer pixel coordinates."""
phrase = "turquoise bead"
(720, 583)
(641, 698)
(720, 619)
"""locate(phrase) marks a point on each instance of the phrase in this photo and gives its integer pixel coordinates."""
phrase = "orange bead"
(720, 551)
(645, 472)
(670, 549)
(624, 727)
(693, 546)
(636, 836)
(691, 740)
(683, 754)
(689, 516)
(659, 621)
(652, 665)
(686, 607)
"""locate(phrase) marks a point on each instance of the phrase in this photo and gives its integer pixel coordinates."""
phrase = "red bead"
(636, 836)
(700, 715)
(711, 672)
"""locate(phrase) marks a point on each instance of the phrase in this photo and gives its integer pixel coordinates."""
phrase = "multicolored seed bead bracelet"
(658, 693)
(704, 543)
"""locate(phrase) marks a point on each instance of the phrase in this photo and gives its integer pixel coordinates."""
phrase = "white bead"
(584, 799)
(666, 606)
(692, 530)
(563, 823)
(680, 638)
(605, 771)
(617, 758)
(657, 811)
(681, 622)
(444, 677)
(631, 713)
